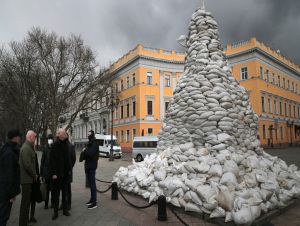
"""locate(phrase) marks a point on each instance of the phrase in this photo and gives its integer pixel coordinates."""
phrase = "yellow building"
(273, 83)
(145, 79)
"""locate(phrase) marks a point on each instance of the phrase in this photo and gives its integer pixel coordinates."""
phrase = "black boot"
(55, 216)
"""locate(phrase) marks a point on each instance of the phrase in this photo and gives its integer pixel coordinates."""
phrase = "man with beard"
(91, 155)
(9, 175)
(59, 168)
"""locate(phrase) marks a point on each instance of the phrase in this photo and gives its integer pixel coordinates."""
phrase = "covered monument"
(209, 158)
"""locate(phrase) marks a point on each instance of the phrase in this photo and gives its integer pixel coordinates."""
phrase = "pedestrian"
(72, 156)
(59, 168)
(91, 155)
(28, 175)
(35, 192)
(9, 174)
(45, 169)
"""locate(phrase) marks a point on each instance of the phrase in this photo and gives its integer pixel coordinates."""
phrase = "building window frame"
(133, 133)
(167, 80)
(133, 108)
(127, 83)
(261, 72)
(263, 109)
(244, 73)
(149, 78)
(133, 79)
(127, 135)
(150, 132)
(122, 85)
(149, 107)
(264, 131)
(127, 110)
(269, 105)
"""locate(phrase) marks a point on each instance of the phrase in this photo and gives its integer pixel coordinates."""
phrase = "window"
(288, 84)
(149, 107)
(166, 106)
(263, 104)
(150, 132)
(280, 108)
(244, 73)
(274, 79)
(264, 132)
(298, 111)
(117, 135)
(116, 113)
(283, 83)
(269, 105)
(275, 107)
(149, 78)
(127, 136)
(127, 110)
(290, 110)
(281, 132)
(261, 72)
(297, 88)
(294, 111)
(133, 108)
(167, 80)
(293, 86)
(122, 136)
(268, 75)
(133, 133)
(127, 82)
(143, 133)
(133, 79)
(122, 111)
(285, 110)
(122, 85)
(279, 82)
(116, 87)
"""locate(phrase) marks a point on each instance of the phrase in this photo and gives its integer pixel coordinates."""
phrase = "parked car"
(143, 146)
(104, 142)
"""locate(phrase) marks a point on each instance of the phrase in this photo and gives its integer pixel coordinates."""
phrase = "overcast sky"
(113, 27)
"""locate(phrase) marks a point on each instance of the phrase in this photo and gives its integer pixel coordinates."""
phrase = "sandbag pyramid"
(209, 158)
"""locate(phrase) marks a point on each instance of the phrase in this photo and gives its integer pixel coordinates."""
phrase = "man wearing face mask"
(44, 169)
(91, 155)
(59, 168)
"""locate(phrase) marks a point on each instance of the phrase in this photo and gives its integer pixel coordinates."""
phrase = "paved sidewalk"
(118, 212)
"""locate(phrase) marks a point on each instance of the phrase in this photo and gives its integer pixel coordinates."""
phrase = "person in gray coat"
(28, 175)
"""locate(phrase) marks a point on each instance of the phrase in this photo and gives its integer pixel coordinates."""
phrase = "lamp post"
(114, 103)
(289, 124)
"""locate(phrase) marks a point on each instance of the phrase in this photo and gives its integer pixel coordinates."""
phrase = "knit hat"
(13, 133)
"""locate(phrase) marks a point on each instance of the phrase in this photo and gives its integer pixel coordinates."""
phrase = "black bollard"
(114, 191)
(161, 208)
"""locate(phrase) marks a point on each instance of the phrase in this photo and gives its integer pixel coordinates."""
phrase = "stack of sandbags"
(210, 160)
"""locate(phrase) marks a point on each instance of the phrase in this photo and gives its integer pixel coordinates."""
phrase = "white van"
(104, 142)
(143, 146)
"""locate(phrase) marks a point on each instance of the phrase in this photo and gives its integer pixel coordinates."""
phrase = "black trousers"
(69, 194)
(47, 181)
(5, 208)
(25, 204)
(57, 185)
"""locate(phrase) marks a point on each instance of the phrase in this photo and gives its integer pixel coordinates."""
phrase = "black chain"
(104, 190)
(133, 205)
(178, 217)
(103, 181)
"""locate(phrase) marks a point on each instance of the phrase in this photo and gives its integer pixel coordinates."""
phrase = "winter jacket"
(9, 171)
(59, 163)
(72, 156)
(91, 155)
(27, 163)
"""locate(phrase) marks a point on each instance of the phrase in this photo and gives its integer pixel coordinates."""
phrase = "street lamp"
(113, 104)
(289, 124)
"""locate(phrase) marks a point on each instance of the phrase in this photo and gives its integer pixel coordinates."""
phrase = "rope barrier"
(178, 217)
(104, 190)
(135, 206)
(103, 181)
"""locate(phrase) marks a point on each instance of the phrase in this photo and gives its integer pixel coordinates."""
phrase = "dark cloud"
(113, 27)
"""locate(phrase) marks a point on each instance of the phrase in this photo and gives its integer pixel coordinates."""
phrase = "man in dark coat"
(72, 156)
(28, 175)
(91, 155)
(59, 168)
(9, 175)
(45, 169)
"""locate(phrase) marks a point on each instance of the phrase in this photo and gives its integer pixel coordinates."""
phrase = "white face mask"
(50, 141)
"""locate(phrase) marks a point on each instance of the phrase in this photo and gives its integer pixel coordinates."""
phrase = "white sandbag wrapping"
(209, 158)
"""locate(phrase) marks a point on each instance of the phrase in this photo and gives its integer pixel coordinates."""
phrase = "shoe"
(66, 213)
(92, 206)
(55, 216)
(32, 220)
(88, 203)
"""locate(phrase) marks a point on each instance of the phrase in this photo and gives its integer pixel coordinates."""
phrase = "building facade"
(144, 80)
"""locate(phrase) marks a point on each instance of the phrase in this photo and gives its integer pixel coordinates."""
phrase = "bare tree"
(46, 76)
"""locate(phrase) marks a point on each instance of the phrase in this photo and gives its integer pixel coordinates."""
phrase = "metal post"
(161, 208)
(111, 156)
(114, 191)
